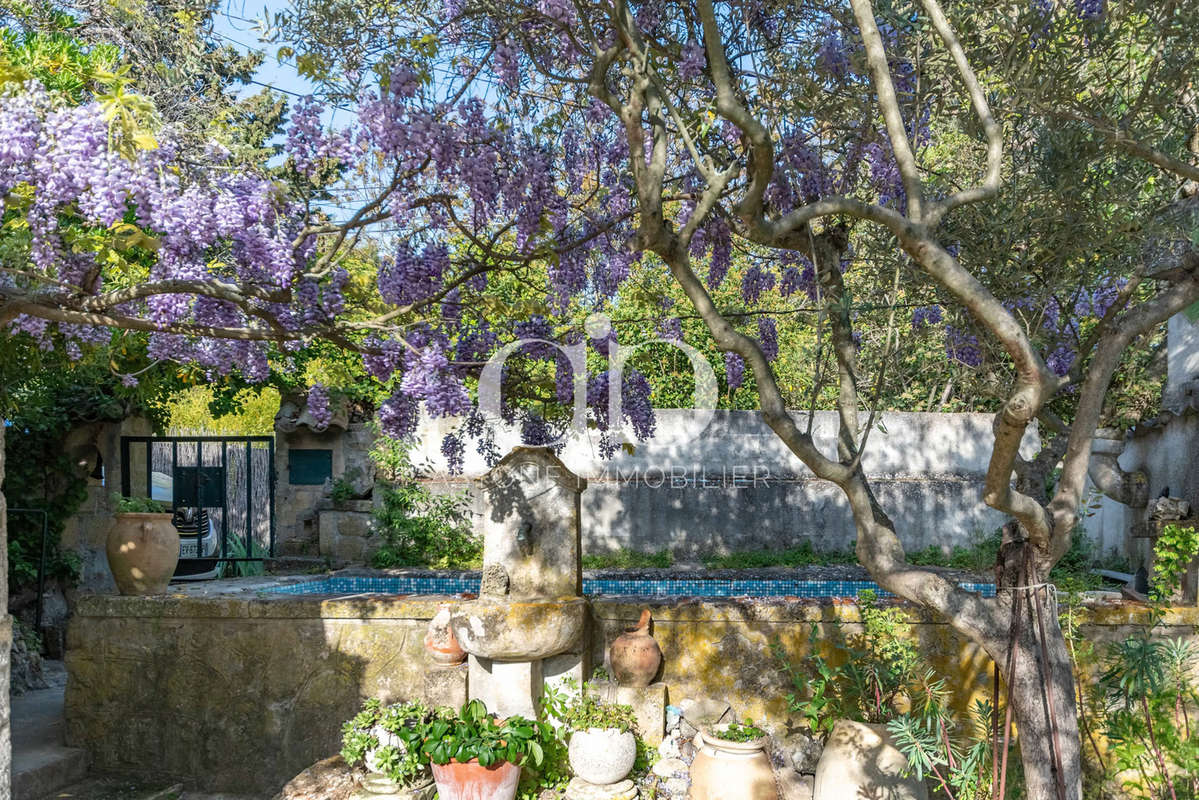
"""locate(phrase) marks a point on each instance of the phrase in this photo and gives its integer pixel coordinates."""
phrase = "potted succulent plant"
(387, 741)
(475, 756)
(142, 546)
(603, 740)
(731, 763)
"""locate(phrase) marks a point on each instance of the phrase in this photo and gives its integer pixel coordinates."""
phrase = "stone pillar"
(526, 628)
(532, 527)
(5, 643)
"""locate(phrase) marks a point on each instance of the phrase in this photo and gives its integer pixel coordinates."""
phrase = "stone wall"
(733, 485)
(239, 693)
(298, 506)
(233, 695)
(345, 533)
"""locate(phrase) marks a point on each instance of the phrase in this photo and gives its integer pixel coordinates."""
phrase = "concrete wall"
(1182, 361)
(733, 485)
(240, 693)
(1168, 452)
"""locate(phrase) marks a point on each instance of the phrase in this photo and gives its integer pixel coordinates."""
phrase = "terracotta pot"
(473, 781)
(143, 551)
(440, 642)
(724, 770)
(634, 655)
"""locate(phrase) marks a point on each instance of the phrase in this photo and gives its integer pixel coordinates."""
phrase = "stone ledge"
(837, 611)
(262, 606)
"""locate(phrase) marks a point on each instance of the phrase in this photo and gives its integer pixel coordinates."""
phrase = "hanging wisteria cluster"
(224, 268)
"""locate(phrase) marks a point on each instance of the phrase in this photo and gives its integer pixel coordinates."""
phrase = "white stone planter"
(602, 755)
(386, 739)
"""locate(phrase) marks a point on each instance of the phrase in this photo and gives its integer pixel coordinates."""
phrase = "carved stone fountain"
(526, 628)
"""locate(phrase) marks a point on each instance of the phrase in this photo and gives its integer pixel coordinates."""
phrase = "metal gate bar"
(230, 475)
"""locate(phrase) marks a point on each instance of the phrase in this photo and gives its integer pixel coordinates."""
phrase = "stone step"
(40, 772)
(296, 565)
(123, 788)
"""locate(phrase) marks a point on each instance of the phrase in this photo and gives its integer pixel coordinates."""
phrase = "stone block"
(446, 686)
(557, 670)
(793, 786)
(579, 789)
(649, 706)
(505, 687)
(533, 522)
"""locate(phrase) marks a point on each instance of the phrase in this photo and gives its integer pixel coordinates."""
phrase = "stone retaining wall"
(239, 693)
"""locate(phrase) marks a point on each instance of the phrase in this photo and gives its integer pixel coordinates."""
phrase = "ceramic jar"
(143, 551)
(440, 642)
(724, 770)
(634, 655)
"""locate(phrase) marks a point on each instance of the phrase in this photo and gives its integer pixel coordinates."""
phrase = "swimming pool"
(341, 585)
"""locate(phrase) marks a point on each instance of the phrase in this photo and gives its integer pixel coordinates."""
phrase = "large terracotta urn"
(634, 655)
(143, 551)
(471, 780)
(724, 770)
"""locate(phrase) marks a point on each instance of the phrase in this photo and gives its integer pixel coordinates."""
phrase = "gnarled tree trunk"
(1044, 710)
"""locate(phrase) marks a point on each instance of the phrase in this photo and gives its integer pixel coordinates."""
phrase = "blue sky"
(234, 25)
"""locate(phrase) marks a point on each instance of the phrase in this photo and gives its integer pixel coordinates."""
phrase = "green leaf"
(1192, 312)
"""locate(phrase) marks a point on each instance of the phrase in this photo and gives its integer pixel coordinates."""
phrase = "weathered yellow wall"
(239, 693)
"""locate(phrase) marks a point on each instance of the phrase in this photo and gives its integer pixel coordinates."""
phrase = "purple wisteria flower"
(318, 406)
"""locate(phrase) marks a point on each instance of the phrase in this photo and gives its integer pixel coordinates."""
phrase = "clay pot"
(860, 760)
(602, 755)
(634, 655)
(440, 642)
(472, 781)
(143, 551)
(724, 770)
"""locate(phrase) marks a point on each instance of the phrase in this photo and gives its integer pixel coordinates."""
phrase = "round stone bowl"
(602, 755)
(519, 630)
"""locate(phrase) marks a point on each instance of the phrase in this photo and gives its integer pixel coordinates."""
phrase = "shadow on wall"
(227, 698)
(699, 497)
(735, 486)
(723, 651)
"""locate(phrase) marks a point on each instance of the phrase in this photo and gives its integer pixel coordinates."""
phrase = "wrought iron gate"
(231, 477)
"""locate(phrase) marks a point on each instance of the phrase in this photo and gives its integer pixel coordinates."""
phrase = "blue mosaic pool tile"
(611, 587)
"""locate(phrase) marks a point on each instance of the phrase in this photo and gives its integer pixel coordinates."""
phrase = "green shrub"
(421, 529)
(628, 559)
(803, 555)
(343, 491)
(138, 505)
(880, 676)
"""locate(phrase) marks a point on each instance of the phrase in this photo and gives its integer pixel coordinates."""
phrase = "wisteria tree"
(523, 162)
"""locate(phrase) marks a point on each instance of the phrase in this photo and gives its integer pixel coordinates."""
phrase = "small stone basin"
(520, 630)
